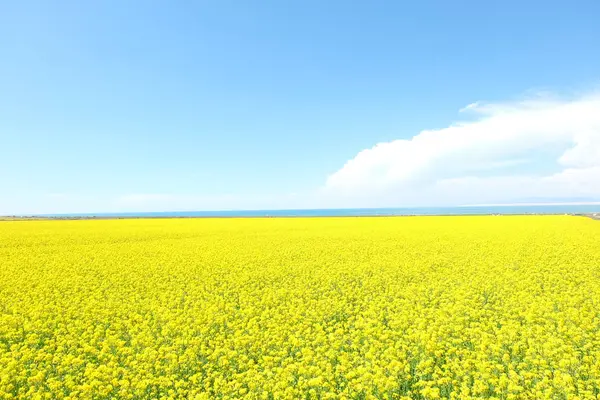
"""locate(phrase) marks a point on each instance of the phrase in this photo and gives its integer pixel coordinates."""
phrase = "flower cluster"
(319, 308)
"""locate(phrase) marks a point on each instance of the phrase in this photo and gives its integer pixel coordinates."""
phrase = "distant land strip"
(595, 216)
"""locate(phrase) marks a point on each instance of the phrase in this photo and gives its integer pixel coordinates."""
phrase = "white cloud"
(143, 198)
(540, 148)
(469, 160)
(142, 202)
(58, 196)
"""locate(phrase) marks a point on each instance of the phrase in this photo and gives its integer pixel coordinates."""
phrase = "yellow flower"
(333, 308)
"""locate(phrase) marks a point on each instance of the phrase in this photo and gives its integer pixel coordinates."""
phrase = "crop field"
(316, 308)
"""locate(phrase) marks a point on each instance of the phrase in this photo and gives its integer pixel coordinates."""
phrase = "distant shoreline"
(595, 216)
(592, 210)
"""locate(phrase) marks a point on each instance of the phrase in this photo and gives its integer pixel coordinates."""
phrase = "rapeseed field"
(313, 308)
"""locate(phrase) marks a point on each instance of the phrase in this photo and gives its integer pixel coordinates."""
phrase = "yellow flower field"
(330, 308)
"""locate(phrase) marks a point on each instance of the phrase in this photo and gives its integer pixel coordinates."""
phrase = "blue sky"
(157, 106)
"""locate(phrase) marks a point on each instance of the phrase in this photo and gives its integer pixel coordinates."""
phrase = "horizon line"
(479, 205)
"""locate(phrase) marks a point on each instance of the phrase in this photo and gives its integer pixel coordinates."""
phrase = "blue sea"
(359, 212)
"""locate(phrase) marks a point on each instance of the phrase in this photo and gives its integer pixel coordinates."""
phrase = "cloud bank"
(541, 147)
